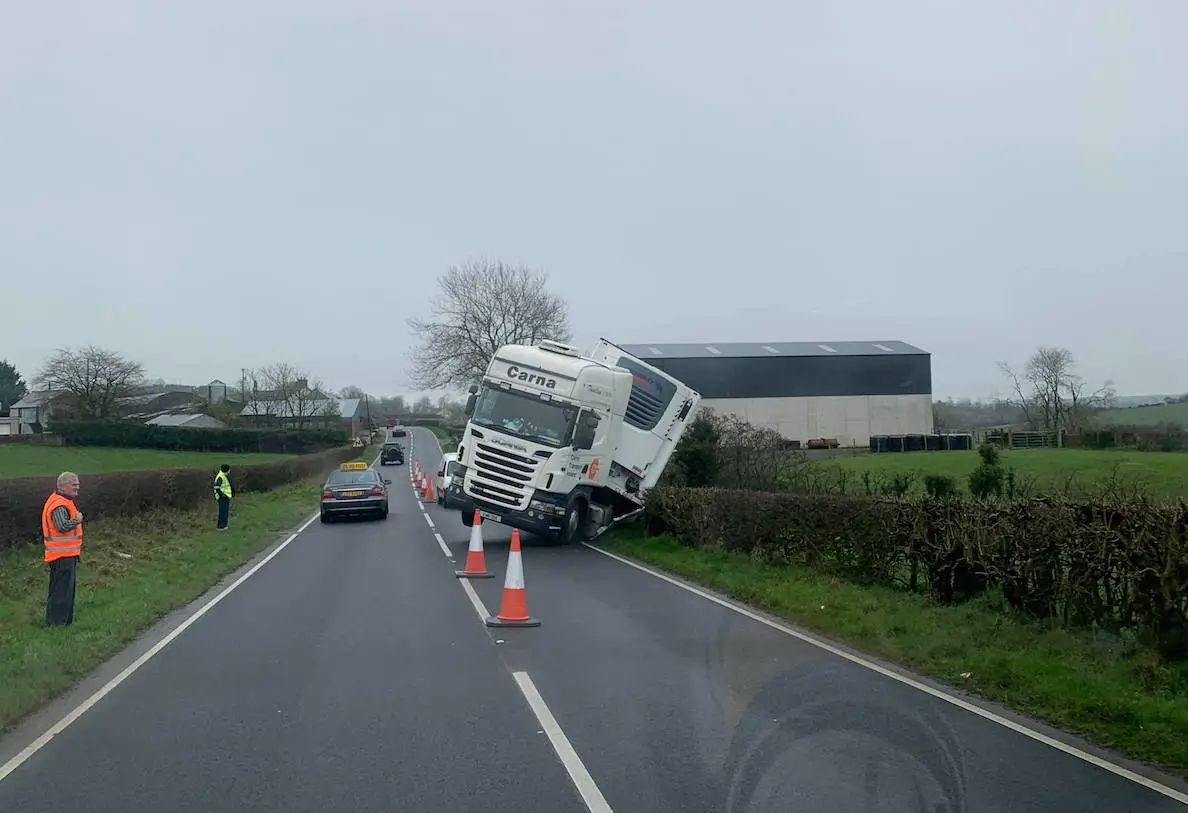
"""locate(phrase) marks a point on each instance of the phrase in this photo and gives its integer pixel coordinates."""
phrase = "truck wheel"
(573, 525)
(468, 519)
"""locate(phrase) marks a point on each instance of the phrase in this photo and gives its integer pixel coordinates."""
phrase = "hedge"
(1116, 565)
(177, 438)
(129, 493)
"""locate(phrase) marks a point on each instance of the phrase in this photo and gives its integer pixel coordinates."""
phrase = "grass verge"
(29, 460)
(132, 573)
(1120, 699)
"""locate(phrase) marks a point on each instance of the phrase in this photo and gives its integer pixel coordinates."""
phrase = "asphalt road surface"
(353, 672)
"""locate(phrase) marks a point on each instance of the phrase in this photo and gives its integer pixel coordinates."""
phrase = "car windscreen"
(452, 468)
(350, 478)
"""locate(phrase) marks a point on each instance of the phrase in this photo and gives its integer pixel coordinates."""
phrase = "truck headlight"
(547, 508)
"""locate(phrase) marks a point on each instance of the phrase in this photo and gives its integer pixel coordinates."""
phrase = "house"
(314, 410)
(31, 415)
(191, 420)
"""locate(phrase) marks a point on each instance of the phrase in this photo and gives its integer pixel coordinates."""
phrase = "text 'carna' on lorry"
(563, 445)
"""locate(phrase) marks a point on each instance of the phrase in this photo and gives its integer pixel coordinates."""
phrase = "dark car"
(355, 488)
(392, 452)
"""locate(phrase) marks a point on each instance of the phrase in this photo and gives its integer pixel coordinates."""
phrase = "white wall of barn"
(850, 419)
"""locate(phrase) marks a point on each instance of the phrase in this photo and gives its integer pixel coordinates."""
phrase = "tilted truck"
(563, 445)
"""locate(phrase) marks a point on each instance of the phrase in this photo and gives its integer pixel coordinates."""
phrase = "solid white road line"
(60, 726)
(591, 795)
(475, 601)
(428, 518)
(444, 548)
(1071, 750)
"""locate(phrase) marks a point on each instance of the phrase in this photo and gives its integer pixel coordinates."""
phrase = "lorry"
(564, 446)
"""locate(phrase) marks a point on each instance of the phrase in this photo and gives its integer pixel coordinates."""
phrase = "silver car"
(355, 488)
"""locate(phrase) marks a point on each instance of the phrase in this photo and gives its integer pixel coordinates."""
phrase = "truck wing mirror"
(470, 402)
(473, 389)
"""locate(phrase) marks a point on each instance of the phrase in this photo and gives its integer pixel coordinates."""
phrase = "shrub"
(1120, 565)
(940, 486)
(133, 492)
(176, 438)
(695, 459)
(989, 478)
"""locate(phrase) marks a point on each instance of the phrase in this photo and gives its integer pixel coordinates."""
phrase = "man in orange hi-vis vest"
(62, 534)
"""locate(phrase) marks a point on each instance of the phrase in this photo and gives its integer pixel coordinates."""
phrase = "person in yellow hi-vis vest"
(222, 490)
(62, 535)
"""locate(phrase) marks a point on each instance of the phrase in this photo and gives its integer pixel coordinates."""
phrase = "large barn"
(844, 390)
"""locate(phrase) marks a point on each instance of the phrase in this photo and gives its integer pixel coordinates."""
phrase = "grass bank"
(133, 572)
(1161, 474)
(35, 460)
(1119, 698)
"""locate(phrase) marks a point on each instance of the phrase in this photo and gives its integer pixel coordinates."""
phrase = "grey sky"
(222, 184)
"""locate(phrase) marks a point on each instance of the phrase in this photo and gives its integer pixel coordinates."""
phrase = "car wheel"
(384, 513)
(324, 517)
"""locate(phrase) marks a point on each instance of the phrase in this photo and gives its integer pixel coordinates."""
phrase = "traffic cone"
(476, 559)
(429, 497)
(513, 610)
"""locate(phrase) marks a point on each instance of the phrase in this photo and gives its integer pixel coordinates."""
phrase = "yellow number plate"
(352, 493)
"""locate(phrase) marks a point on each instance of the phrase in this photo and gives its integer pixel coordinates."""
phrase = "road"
(353, 672)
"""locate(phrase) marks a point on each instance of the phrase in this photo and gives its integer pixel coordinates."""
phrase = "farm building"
(843, 390)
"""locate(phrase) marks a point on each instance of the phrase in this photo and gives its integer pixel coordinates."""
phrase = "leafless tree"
(1051, 395)
(96, 379)
(482, 306)
(352, 391)
(292, 396)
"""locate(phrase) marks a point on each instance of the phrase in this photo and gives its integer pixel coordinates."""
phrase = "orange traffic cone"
(513, 610)
(476, 559)
(429, 497)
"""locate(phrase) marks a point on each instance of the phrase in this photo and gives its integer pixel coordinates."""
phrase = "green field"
(1160, 474)
(1144, 416)
(1120, 697)
(27, 460)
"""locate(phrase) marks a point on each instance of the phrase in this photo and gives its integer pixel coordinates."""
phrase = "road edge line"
(82, 708)
(1019, 728)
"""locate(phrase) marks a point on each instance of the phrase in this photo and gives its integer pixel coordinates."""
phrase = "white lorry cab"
(563, 445)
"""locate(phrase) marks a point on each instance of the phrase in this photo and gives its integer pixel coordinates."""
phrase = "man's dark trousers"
(59, 605)
(224, 511)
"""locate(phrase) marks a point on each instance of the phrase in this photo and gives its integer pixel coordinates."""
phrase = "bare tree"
(1051, 395)
(292, 396)
(96, 379)
(481, 307)
(352, 391)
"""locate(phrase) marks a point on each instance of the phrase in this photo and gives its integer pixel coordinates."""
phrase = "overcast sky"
(216, 185)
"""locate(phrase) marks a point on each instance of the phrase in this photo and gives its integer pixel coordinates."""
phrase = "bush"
(175, 438)
(989, 478)
(133, 492)
(695, 459)
(1119, 565)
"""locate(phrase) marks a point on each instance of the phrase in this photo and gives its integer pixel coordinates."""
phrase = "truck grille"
(502, 477)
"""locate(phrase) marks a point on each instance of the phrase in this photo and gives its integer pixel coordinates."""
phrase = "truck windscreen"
(526, 417)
